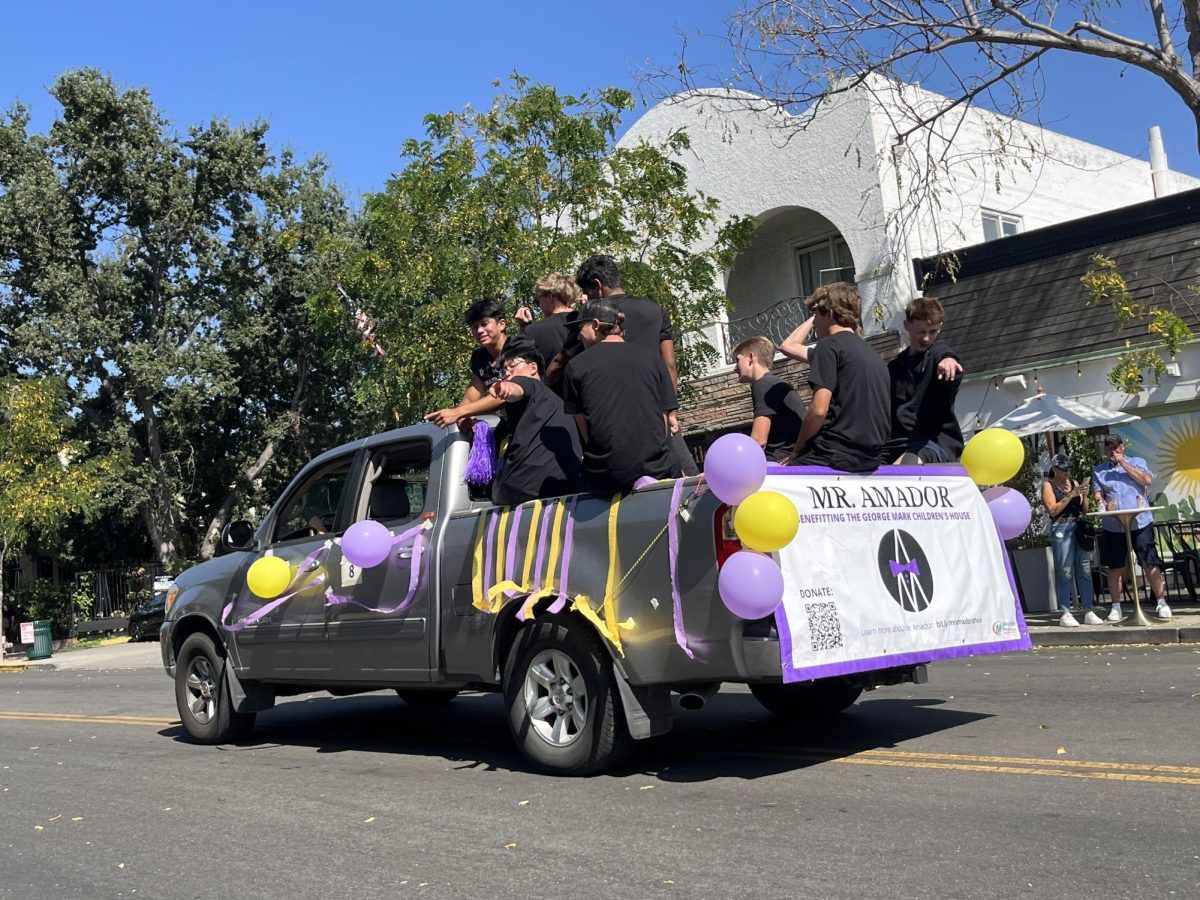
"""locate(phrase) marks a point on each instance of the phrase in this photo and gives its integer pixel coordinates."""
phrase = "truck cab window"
(397, 483)
(312, 509)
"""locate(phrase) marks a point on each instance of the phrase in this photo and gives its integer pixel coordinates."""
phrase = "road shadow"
(732, 737)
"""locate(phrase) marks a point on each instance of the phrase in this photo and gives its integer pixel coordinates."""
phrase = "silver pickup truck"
(588, 614)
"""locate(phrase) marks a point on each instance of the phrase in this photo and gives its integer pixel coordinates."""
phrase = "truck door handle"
(313, 566)
(405, 553)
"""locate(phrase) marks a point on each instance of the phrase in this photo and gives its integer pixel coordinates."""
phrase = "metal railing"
(114, 591)
(776, 322)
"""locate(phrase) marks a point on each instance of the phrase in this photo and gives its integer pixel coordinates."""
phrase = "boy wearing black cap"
(1120, 482)
(620, 397)
(543, 454)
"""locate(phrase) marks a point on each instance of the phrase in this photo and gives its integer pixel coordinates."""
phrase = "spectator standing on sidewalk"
(1120, 482)
(1066, 502)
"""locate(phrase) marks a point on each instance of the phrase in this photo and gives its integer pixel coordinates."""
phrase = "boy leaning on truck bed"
(623, 399)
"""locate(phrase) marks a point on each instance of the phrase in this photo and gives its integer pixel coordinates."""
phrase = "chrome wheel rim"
(556, 699)
(201, 686)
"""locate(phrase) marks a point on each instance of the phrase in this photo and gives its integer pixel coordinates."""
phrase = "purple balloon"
(735, 467)
(366, 543)
(750, 584)
(1010, 511)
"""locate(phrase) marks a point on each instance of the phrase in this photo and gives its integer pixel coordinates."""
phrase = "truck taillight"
(724, 536)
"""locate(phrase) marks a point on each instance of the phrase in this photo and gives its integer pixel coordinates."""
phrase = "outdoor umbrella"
(1043, 413)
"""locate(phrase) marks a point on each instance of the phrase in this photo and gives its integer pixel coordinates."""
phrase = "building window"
(999, 225)
(823, 263)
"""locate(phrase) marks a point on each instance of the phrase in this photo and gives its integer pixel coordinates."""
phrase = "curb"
(1115, 636)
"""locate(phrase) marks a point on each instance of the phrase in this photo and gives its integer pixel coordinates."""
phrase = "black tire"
(204, 706)
(135, 633)
(427, 699)
(807, 699)
(552, 661)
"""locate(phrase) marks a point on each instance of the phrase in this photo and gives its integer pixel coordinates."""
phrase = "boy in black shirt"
(620, 397)
(849, 417)
(778, 409)
(556, 296)
(925, 378)
(543, 454)
(487, 322)
(646, 325)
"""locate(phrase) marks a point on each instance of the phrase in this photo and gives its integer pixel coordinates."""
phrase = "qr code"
(824, 626)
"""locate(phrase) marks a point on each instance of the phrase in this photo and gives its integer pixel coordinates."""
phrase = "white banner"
(890, 570)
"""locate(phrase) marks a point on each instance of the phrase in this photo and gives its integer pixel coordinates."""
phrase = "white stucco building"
(832, 192)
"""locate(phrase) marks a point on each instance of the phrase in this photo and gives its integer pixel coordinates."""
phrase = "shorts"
(1113, 552)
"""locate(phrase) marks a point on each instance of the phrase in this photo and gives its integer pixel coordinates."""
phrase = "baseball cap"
(522, 347)
(1113, 440)
(603, 310)
(1060, 461)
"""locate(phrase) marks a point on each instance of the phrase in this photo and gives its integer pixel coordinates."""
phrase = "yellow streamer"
(477, 598)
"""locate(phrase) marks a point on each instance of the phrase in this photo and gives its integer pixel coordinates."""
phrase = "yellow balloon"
(268, 577)
(766, 521)
(993, 456)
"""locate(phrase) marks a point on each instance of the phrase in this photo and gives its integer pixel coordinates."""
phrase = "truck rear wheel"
(205, 708)
(807, 699)
(560, 692)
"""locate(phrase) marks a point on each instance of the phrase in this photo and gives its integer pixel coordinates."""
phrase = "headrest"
(389, 500)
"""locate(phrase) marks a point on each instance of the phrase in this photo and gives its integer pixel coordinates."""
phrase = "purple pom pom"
(481, 464)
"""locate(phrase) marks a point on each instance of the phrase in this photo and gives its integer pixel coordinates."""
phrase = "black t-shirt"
(859, 418)
(543, 454)
(775, 398)
(486, 369)
(646, 323)
(624, 392)
(923, 406)
(551, 336)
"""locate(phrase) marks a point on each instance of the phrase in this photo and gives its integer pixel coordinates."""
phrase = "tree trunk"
(212, 534)
(159, 515)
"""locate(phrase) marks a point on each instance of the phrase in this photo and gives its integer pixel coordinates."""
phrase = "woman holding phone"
(1066, 501)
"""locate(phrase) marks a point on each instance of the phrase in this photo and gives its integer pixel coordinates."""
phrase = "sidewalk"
(111, 653)
(1182, 628)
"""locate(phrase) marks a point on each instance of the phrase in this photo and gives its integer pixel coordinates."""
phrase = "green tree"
(169, 280)
(491, 200)
(45, 478)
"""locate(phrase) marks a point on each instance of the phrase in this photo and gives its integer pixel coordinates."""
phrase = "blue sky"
(352, 80)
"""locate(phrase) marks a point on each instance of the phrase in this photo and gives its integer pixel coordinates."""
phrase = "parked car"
(145, 621)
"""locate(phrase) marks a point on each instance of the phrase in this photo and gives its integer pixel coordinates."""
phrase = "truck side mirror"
(237, 535)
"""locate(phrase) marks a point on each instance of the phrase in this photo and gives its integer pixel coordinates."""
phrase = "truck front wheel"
(562, 700)
(205, 707)
(806, 699)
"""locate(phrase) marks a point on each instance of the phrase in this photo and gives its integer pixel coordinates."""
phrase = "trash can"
(43, 644)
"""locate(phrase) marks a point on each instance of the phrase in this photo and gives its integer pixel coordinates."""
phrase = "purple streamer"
(289, 592)
(568, 544)
(414, 575)
(510, 558)
(673, 554)
(540, 561)
(489, 551)
(481, 464)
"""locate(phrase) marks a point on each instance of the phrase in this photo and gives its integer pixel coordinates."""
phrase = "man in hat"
(1120, 482)
(542, 458)
(620, 396)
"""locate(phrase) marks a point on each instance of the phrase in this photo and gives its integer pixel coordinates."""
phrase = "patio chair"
(1180, 559)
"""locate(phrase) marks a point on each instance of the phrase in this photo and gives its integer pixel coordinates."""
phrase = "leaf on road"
(522, 803)
(368, 821)
(56, 818)
(509, 846)
(646, 787)
(76, 818)
(39, 827)
(1061, 750)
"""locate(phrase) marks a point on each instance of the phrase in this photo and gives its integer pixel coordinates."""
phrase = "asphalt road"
(1055, 773)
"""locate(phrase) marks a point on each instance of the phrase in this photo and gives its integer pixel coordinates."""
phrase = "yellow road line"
(95, 720)
(1150, 773)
